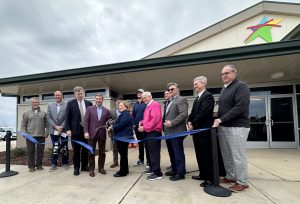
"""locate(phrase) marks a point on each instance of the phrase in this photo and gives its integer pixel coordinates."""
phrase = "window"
(27, 98)
(298, 88)
(91, 93)
(214, 90)
(48, 96)
(298, 107)
(68, 95)
(114, 94)
(272, 90)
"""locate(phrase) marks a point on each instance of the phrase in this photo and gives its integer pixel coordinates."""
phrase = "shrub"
(19, 151)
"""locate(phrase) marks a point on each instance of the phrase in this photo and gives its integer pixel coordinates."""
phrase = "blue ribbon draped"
(32, 139)
(123, 139)
(166, 137)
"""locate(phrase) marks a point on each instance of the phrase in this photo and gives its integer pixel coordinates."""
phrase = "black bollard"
(214, 188)
(8, 172)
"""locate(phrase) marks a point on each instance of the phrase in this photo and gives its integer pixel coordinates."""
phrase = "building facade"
(263, 41)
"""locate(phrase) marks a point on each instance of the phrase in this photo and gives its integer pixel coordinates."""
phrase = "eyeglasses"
(226, 73)
(172, 89)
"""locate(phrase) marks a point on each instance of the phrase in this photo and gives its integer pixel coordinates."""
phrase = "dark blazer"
(73, 117)
(202, 117)
(123, 126)
(92, 124)
(202, 112)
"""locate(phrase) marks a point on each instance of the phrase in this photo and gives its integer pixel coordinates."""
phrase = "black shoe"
(197, 178)
(76, 172)
(119, 175)
(84, 168)
(170, 173)
(205, 183)
(176, 178)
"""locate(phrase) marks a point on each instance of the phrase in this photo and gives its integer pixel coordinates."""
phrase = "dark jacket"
(202, 112)
(138, 112)
(234, 103)
(73, 117)
(123, 126)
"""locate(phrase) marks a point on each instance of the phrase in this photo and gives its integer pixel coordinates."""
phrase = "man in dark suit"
(175, 121)
(167, 101)
(75, 111)
(94, 131)
(202, 117)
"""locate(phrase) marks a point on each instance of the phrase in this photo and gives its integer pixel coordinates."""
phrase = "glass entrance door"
(259, 132)
(281, 122)
(271, 122)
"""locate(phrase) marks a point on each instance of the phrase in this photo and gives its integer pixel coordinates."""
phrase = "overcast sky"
(40, 36)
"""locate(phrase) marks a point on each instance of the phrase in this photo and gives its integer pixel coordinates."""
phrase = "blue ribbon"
(32, 139)
(166, 137)
(123, 139)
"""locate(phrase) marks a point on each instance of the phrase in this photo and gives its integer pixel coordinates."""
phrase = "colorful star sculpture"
(263, 30)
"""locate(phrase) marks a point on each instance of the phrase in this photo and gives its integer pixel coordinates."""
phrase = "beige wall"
(21, 108)
(235, 36)
(108, 103)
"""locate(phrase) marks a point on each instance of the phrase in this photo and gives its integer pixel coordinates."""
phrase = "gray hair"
(232, 67)
(202, 79)
(172, 84)
(77, 89)
(146, 94)
(34, 98)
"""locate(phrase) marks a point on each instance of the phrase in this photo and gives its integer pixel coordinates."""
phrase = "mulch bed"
(22, 159)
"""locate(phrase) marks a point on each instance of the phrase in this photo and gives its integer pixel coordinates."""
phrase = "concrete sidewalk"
(274, 177)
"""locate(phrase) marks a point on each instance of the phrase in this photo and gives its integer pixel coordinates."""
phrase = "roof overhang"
(256, 64)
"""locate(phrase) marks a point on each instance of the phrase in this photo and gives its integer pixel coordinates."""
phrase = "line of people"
(82, 121)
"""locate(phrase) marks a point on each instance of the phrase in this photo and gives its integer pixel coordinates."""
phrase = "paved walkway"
(274, 177)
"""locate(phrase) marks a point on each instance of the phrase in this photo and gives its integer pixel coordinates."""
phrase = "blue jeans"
(54, 157)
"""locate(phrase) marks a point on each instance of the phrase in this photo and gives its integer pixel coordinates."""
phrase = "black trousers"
(140, 136)
(79, 153)
(123, 151)
(202, 144)
(154, 147)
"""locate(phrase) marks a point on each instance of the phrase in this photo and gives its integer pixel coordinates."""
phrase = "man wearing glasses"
(175, 121)
(233, 128)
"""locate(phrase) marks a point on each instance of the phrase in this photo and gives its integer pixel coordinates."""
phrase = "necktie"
(196, 100)
(81, 112)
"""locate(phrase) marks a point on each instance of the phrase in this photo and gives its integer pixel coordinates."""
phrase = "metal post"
(214, 188)
(8, 172)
